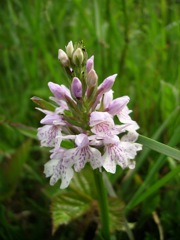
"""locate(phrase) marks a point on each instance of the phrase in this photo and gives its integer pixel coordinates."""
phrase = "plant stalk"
(103, 204)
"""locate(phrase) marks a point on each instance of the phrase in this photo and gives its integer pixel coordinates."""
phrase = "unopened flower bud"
(78, 57)
(59, 91)
(69, 49)
(76, 88)
(107, 84)
(90, 64)
(104, 87)
(92, 78)
(62, 56)
(117, 105)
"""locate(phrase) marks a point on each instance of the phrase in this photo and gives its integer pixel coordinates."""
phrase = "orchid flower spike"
(82, 114)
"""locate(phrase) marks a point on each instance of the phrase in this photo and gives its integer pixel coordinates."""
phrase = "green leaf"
(81, 197)
(26, 130)
(67, 207)
(10, 172)
(159, 147)
(75, 201)
(116, 214)
(43, 103)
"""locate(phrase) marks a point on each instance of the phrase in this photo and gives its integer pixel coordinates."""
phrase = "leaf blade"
(159, 147)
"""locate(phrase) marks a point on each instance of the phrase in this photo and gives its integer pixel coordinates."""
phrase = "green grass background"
(139, 40)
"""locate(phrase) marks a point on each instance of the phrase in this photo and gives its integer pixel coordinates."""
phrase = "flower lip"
(82, 154)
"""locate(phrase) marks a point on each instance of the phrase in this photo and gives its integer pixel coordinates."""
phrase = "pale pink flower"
(52, 118)
(119, 152)
(82, 154)
(62, 105)
(56, 170)
(123, 116)
(116, 106)
(48, 135)
(102, 124)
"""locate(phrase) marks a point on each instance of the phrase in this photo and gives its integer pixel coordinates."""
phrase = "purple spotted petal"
(48, 135)
(80, 156)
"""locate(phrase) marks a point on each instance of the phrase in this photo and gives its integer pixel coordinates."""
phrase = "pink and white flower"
(102, 124)
(119, 152)
(52, 117)
(82, 154)
(56, 170)
(48, 135)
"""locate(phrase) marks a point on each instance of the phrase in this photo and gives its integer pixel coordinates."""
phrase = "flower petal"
(123, 116)
(50, 167)
(55, 169)
(108, 97)
(108, 163)
(66, 177)
(117, 105)
(130, 137)
(47, 135)
(95, 158)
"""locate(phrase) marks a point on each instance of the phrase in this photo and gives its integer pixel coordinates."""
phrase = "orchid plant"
(84, 113)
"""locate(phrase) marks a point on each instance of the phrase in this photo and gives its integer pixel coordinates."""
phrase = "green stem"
(103, 204)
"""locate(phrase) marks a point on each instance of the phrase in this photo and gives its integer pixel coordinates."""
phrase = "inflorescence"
(79, 123)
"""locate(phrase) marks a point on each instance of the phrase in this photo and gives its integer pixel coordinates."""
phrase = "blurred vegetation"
(139, 40)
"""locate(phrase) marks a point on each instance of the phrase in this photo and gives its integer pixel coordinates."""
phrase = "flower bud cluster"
(83, 115)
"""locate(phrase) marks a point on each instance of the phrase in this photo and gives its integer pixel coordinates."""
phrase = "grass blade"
(155, 187)
(159, 147)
